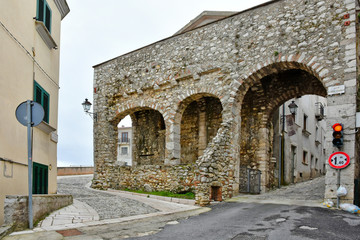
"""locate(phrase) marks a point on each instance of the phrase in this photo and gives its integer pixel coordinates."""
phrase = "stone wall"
(252, 62)
(199, 124)
(148, 138)
(63, 171)
(176, 179)
(16, 208)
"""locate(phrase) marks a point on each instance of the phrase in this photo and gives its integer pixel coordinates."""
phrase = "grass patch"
(186, 195)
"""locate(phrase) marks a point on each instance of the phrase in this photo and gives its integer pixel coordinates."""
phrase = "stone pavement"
(81, 214)
(82, 217)
(309, 193)
(78, 212)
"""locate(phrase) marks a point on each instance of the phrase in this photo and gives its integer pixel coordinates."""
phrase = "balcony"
(319, 111)
(124, 141)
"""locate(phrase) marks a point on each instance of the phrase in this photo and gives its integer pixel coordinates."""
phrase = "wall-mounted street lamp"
(293, 107)
(87, 105)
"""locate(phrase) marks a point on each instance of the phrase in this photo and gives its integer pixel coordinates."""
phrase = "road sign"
(37, 113)
(30, 114)
(339, 160)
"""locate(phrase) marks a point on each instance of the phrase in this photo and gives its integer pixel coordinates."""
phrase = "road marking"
(308, 228)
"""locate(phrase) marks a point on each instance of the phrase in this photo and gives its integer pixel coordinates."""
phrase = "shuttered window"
(44, 13)
(40, 178)
(42, 97)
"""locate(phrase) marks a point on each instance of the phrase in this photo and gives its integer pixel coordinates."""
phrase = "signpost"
(339, 160)
(30, 114)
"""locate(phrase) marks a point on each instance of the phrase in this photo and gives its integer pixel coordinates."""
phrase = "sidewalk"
(80, 214)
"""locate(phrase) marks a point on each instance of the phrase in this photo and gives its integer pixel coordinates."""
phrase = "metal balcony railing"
(124, 140)
(319, 111)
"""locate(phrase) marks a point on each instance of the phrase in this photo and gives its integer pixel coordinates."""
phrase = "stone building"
(202, 101)
(29, 70)
(304, 143)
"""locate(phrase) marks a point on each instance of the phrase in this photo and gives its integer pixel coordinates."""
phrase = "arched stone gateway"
(262, 98)
(232, 74)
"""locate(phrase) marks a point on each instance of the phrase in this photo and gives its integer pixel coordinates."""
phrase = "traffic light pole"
(338, 185)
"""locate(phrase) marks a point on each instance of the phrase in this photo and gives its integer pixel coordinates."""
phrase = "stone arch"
(260, 95)
(148, 138)
(196, 122)
(276, 65)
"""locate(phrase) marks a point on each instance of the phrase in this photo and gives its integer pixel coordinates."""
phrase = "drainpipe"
(282, 149)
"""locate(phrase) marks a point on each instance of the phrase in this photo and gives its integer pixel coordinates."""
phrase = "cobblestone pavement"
(309, 190)
(108, 206)
(309, 193)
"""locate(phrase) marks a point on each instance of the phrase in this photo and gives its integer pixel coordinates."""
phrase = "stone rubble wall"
(224, 60)
(149, 178)
(16, 211)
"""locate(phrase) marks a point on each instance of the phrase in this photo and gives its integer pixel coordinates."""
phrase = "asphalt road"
(263, 221)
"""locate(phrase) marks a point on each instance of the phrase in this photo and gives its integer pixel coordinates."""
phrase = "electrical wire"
(28, 53)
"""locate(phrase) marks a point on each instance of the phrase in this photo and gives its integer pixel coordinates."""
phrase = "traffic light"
(338, 135)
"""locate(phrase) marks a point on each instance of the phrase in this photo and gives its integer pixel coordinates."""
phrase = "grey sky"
(95, 31)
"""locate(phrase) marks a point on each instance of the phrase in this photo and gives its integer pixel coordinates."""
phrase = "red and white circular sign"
(339, 160)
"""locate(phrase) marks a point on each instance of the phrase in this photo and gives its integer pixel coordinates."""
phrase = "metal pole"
(282, 146)
(259, 180)
(280, 157)
(248, 180)
(29, 138)
(338, 185)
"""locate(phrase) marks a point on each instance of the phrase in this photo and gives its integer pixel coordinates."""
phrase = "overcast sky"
(95, 31)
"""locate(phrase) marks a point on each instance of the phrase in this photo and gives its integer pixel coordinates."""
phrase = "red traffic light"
(338, 135)
(337, 127)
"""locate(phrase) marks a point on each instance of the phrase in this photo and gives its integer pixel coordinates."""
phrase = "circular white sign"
(37, 113)
(339, 160)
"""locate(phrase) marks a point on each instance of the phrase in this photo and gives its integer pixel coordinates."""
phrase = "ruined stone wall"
(224, 60)
(176, 179)
(199, 125)
(148, 138)
(190, 134)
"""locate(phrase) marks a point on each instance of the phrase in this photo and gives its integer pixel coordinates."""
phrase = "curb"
(165, 216)
(167, 199)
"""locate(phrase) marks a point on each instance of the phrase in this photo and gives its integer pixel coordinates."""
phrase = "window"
(40, 178)
(124, 137)
(42, 97)
(304, 157)
(305, 122)
(124, 151)
(44, 13)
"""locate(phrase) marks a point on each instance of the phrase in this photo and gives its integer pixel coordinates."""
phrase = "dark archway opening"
(200, 122)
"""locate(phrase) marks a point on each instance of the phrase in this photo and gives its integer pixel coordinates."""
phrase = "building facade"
(29, 67)
(203, 101)
(124, 150)
(303, 155)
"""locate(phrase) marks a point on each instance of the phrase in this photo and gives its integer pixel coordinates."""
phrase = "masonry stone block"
(205, 98)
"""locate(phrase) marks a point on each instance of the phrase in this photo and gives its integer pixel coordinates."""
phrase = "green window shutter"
(46, 100)
(37, 95)
(44, 13)
(43, 98)
(40, 178)
(40, 10)
(48, 17)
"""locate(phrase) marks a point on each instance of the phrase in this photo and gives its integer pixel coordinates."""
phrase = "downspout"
(282, 149)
